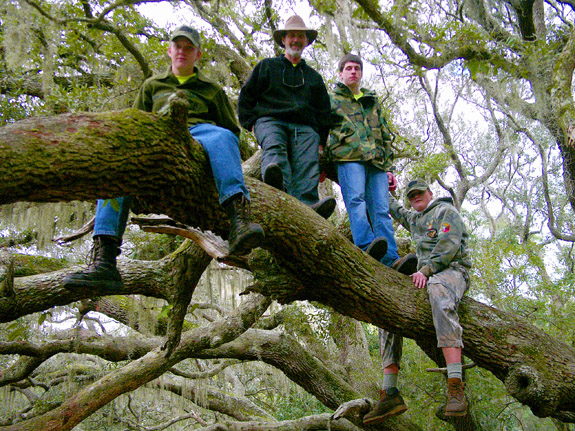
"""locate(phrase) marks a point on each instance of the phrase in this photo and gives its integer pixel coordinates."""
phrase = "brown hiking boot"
(244, 235)
(456, 403)
(388, 405)
(406, 265)
(378, 248)
(102, 271)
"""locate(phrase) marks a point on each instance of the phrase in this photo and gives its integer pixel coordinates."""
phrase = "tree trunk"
(315, 262)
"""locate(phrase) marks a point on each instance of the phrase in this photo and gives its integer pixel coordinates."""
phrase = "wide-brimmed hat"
(294, 23)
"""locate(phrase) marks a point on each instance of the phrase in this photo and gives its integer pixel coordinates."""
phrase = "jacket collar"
(341, 88)
(168, 73)
(436, 202)
(283, 58)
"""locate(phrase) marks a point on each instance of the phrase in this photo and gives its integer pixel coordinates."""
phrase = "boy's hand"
(392, 181)
(419, 280)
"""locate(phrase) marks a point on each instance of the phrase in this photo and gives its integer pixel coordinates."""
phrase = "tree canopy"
(479, 96)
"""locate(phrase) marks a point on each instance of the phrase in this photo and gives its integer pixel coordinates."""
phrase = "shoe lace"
(90, 258)
(455, 390)
(243, 208)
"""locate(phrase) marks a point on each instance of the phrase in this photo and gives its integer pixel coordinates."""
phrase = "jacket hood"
(341, 88)
(437, 202)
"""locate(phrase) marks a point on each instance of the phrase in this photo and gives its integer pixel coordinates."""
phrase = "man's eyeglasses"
(296, 82)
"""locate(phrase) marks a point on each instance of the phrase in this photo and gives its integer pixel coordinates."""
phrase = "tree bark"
(315, 262)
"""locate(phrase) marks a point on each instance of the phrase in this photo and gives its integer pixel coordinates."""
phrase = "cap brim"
(415, 189)
(187, 36)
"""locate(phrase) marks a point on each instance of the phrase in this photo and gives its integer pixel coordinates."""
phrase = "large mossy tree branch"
(155, 155)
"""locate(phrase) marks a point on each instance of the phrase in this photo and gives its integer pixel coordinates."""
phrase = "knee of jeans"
(227, 137)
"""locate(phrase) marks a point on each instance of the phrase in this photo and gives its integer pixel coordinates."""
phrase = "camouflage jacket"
(208, 101)
(359, 131)
(439, 233)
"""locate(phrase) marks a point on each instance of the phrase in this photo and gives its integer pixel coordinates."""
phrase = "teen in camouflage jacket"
(359, 131)
(439, 233)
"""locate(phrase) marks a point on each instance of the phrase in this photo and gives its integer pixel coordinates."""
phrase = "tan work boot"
(456, 403)
(387, 406)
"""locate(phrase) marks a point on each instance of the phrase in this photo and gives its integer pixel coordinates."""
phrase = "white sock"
(455, 371)
(390, 380)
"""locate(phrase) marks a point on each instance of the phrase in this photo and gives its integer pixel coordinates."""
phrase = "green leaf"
(165, 311)
(42, 318)
(18, 333)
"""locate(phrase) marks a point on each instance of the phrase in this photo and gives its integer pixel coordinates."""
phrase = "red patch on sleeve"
(445, 227)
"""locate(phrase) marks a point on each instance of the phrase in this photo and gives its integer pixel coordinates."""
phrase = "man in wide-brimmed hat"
(286, 104)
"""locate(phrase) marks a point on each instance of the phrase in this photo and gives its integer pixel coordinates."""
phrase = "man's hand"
(392, 181)
(419, 280)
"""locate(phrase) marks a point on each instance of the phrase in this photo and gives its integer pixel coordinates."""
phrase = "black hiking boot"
(102, 271)
(406, 265)
(324, 207)
(456, 402)
(377, 248)
(388, 405)
(273, 176)
(244, 235)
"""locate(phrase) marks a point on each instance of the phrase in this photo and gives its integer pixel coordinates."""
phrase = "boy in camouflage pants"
(443, 263)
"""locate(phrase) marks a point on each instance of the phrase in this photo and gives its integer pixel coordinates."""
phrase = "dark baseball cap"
(416, 185)
(189, 33)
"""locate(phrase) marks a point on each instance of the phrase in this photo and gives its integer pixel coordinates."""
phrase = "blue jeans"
(222, 147)
(365, 191)
(295, 148)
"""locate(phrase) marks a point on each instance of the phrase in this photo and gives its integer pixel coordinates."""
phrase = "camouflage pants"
(444, 291)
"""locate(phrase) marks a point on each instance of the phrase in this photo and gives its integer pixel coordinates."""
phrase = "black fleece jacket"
(278, 89)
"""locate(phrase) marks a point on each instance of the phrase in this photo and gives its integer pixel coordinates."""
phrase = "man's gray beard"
(292, 53)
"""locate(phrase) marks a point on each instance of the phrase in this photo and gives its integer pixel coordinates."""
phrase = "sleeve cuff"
(426, 270)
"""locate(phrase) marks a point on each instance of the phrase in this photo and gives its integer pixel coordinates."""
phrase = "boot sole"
(377, 250)
(393, 412)
(95, 284)
(248, 244)
(408, 266)
(456, 414)
(325, 207)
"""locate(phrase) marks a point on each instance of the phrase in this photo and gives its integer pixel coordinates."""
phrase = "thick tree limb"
(307, 423)
(324, 266)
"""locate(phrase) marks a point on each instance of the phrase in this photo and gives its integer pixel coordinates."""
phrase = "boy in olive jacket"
(443, 264)
(212, 123)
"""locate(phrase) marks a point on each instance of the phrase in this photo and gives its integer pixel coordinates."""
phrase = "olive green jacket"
(208, 101)
(359, 131)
